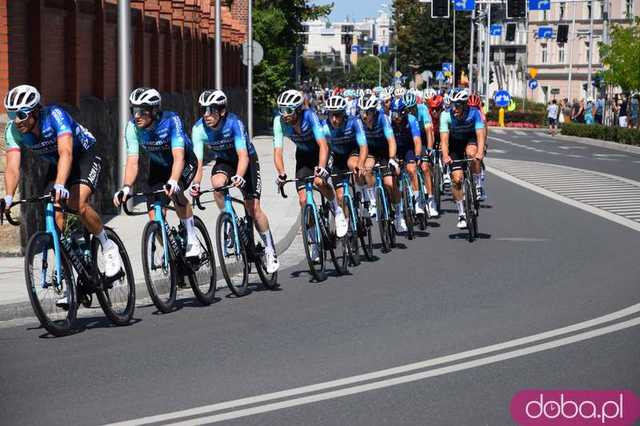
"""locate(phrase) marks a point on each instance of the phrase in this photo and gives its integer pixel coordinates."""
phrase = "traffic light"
(491, 79)
(440, 8)
(584, 86)
(563, 33)
(375, 50)
(511, 32)
(516, 9)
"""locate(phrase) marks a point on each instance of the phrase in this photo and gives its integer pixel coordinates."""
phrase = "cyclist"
(347, 141)
(69, 149)
(352, 102)
(461, 133)
(476, 103)
(436, 107)
(399, 92)
(384, 104)
(173, 163)
(421, 112)
(407, 132)
(381, 144)
(236, 162)
(313, 156)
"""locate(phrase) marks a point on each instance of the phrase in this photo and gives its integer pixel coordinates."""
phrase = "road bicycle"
(319, 233)
(406, 194)
(236, 246)
(69, 264)
(384, 210)
(163, 256)
(437, 176)
(471, 203)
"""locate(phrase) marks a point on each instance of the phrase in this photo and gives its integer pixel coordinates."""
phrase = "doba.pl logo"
(575, 407)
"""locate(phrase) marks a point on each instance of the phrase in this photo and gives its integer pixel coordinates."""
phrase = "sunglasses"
(287, 110)
(459, 104)
(18, 116)
(140, 111)
(336, 114)
(210, 110)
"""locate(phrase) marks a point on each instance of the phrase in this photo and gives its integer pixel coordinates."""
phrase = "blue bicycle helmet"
(398, 105)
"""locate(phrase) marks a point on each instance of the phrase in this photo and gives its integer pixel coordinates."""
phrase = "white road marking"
(523, 240)
(610, 155)
(520, 133)
(382, 383)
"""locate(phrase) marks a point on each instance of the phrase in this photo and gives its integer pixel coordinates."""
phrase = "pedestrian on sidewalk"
(623, 106)
(588, 112)
(552, 116)
(633, 108)
(599, 110)
(577, 111)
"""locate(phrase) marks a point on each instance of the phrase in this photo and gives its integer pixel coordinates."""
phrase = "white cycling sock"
(102, 237)
(188, 224)
(476, 180)
(267, 240)
(416, 194)
(371, 194)
(460, 205)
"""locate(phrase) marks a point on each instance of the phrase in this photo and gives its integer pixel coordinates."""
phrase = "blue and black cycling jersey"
(225, 141)
(306, 141)
(53, 122)
(405, 132)
(424, 119)
(379, 135)
(159, 139)
(462, 131)
(348, 138)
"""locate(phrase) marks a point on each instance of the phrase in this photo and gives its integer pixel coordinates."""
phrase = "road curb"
(23, 309)
(602, 144)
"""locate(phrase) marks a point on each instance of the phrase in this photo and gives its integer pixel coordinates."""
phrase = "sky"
(356, 9)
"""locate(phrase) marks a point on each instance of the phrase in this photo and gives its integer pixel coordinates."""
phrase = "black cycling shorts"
(253, 182)
(160, 174)
(306, 164)
(86, 169)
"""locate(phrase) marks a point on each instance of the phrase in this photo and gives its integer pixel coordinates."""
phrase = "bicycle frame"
(228, 208)
(158, 216)
(380, 187)
(50, 226)
(308, 188)
(346, 195)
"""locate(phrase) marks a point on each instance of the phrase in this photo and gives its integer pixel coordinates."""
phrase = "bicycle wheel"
(422, 201)
(313, 245)
(269, 280)
(44, 289)
(391, 229)
(437, 184)
(468, 209)
(117, 298)
(383, 222)
(232, 255)
(352, 233)
(407, 209)
(161, 278)
(203, 277)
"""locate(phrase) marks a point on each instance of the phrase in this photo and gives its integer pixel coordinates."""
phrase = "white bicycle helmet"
(460, 96)
(429, 93)
(22, 98)
(212, 98)
(145, 96)
(385, 95)
(447, 100)
(409, 99)
(368, 102)
(400, 91)
(336, 103)
(291, 99)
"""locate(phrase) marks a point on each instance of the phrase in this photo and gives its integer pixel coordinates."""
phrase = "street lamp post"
(590, 53)
(250, 68)
(218, 46)
(124, 80)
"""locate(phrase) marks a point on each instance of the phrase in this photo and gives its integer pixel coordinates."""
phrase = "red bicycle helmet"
(435, 101)
(474, 101)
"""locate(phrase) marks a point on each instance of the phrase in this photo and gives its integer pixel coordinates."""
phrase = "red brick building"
(68, 48)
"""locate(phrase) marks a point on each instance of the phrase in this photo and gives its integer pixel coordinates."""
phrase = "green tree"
(366, 72)
(621, 57)
(276, 24)
(424, 43)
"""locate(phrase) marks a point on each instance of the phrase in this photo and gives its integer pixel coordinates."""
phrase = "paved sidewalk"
(283, 215)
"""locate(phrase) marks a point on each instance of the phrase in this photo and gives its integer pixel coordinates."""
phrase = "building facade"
(563, 67)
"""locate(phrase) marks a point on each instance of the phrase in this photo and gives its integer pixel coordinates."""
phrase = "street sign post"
(440, 76)
(383, 49)
(502, 98)
(258, 53)
(496, 30)
(545, 32)
(539, 4)
(464, 5)
(447, 67)
(533, 72)
(533, 84)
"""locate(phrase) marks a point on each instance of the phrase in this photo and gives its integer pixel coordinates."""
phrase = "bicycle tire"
(106, 295)
(38, 243)
(407, 207)
(391, 229)
(338, 247)
(422, 201)
(269, 280)
(468, 203)
(383, 222)
(308, 224)
(437, 185)
(205, 293)
(224, 223)
(352, 233)
(151, 234)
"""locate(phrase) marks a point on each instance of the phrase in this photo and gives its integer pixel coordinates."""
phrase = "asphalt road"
(541, 265)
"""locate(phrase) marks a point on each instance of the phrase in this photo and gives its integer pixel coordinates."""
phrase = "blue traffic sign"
(465, 5)
(545, 32)
(502, 98)
(496, 30)
(539, 4)
(355, 49)
(383, 49)
(447, 67)
(440, 76)
(533, 84)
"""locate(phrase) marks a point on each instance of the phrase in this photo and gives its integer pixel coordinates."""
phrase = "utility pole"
(453, 65)
(250, 68)
(124, 80)
(571, 43)
(487, 51)
(218, 46)
(590, 53)
(473, 18)
(605, 23)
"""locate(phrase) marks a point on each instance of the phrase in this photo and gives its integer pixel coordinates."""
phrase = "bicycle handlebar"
(196, 200)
